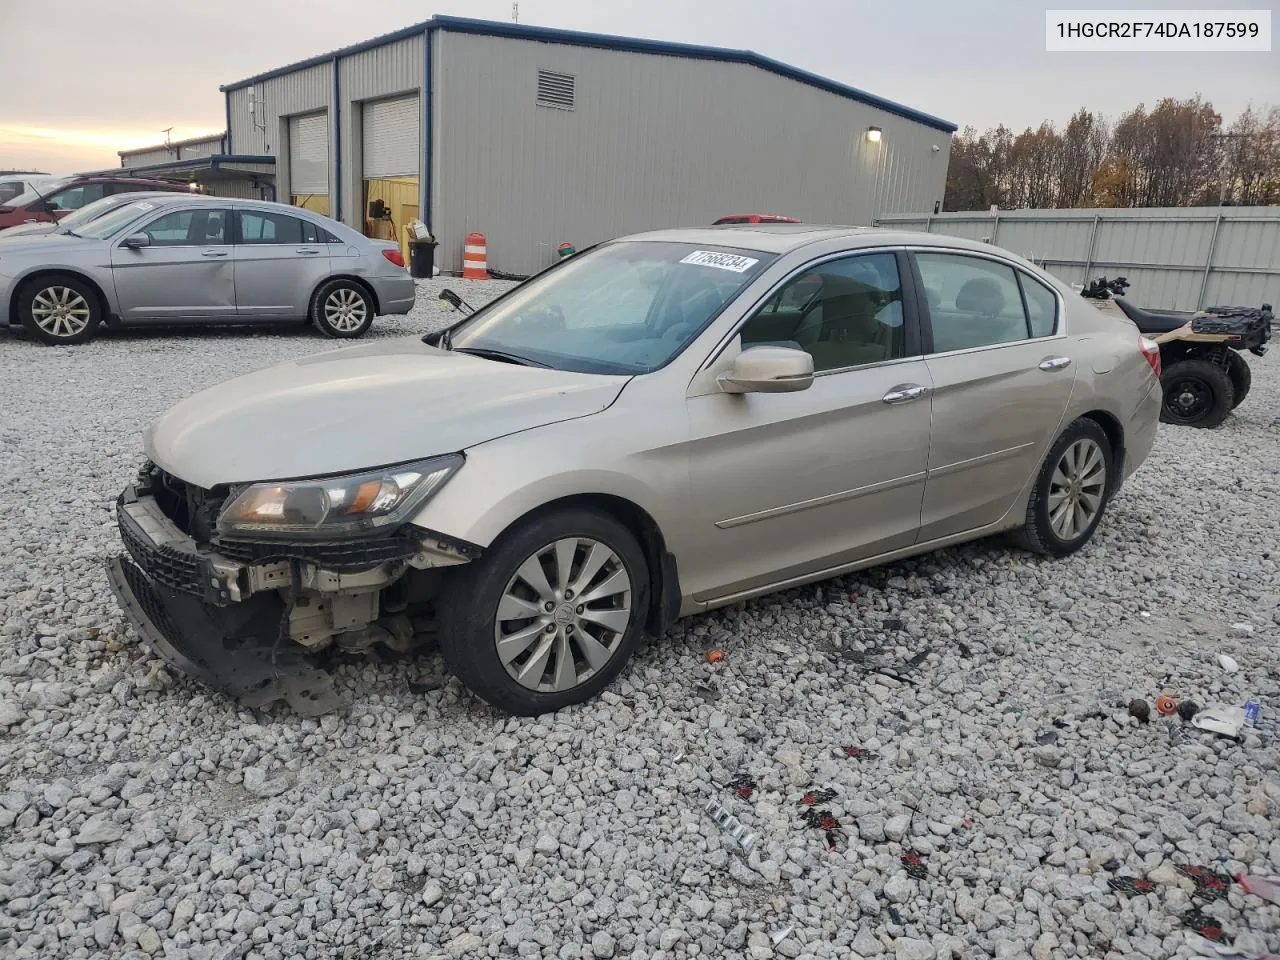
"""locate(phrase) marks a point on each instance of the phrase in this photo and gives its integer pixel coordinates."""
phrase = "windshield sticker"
(721, 261)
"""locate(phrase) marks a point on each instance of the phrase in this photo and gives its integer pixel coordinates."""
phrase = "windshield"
(113, 220)
(626, 308)
(30, 196)
(91, 211)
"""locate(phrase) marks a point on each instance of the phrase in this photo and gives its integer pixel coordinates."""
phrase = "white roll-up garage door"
(391, 138)
(309, 155)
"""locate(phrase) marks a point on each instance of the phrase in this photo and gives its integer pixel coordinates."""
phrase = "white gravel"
(143, 816)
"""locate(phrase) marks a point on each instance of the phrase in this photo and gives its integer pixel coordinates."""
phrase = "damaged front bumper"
(245, 616)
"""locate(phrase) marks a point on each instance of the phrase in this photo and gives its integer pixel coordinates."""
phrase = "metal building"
(535, 136)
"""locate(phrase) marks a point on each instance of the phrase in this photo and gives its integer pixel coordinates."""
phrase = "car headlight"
(337, 506)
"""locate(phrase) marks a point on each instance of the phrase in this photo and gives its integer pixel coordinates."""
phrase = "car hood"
(27, 231)
(41, 243)
(368, 406)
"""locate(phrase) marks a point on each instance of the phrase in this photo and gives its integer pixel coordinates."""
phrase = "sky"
(84, 78)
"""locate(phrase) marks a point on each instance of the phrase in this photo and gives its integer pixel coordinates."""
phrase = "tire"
(1044, 530)
(59, 309)
(533, 682)
(1241, 375)
(1197, 393)
(342, 309)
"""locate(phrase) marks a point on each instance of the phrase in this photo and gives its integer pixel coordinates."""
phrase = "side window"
(973, 302)
(188, 228)
(844, 313)
(1042, 306)
(327, 237)
(257, 227)
(74, 198)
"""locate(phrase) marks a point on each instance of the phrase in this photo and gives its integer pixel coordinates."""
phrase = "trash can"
(422, 258)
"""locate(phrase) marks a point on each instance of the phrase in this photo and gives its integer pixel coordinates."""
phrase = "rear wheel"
(59, 309)
(551, 613)
(342, 309)
(1071, 491)
(1197, 393)
(1241, 377)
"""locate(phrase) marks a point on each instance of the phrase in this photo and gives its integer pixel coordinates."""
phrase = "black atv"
(1203, 375)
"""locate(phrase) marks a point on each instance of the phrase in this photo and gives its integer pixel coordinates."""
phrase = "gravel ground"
(143, 816)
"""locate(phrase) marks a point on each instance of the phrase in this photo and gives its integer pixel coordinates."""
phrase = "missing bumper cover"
(238, 649)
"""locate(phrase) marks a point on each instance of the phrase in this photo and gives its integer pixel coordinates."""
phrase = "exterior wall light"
(873, 134)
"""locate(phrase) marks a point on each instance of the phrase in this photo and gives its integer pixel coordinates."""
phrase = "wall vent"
(555, 90)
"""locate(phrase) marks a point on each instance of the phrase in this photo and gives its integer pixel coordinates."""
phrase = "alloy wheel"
(1077, 489)
(60, 311)
(345, 310)
(563, 614)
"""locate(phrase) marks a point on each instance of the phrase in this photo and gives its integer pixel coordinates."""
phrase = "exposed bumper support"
(238, 649)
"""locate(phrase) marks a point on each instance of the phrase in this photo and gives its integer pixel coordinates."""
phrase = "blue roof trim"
(192, 163)
(603, 41)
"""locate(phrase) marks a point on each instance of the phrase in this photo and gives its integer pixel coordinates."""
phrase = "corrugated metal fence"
(1180, 259)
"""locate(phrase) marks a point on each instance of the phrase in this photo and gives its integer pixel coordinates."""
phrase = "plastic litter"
(1208, 927)
(1252, 711)
(1166, 706)
(1224, 721)
(1268, 888)
(1242, 628)
(779, 935)
(1188, 709)
(1227, 663)
(913, 863)
(715, 656)
(1141, 709)
(1210, 884)
(1131, 886)
(734, 828)
(743, 785)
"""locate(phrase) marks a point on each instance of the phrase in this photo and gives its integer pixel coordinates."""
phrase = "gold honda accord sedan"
(657, 426)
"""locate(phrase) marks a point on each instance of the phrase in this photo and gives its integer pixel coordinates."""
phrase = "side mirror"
(137, 241)
(768, 370)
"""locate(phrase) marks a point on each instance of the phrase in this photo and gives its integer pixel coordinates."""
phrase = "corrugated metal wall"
(397, 68)
(266, 132)
(183, 150)
(1176, 258)
(653, 141)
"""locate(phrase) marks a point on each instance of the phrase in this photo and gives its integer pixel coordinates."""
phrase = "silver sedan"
(182, 259)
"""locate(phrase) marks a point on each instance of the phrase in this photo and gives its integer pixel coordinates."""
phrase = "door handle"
(307, 250)
(1055, 363)
(213, 253)
(905, 393)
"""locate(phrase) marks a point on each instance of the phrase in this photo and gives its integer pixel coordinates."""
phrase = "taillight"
(1150, 350)
(394, 256)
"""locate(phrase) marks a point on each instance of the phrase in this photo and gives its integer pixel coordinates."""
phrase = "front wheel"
(59, 310)
(1197, 393)
(551, 613)
(342, 309)
(1070, 493)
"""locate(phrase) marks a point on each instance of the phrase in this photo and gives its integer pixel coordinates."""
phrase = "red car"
(755, 218)
(47, 204)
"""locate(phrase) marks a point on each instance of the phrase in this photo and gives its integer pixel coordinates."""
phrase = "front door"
(1001, 381)
(790, 484)
(184, 273)
(280, 260)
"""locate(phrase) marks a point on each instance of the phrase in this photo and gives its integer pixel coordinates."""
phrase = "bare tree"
(1175, 154)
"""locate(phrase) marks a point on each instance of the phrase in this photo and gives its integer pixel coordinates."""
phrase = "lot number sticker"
(721, 261)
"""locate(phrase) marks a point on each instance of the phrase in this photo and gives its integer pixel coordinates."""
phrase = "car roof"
(784, 237)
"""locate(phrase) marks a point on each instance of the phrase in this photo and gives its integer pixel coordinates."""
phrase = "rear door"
(280, 260)
(185, 273)
(1002, 374)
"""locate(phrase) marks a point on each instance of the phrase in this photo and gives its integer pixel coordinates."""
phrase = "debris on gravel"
(143, 815)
